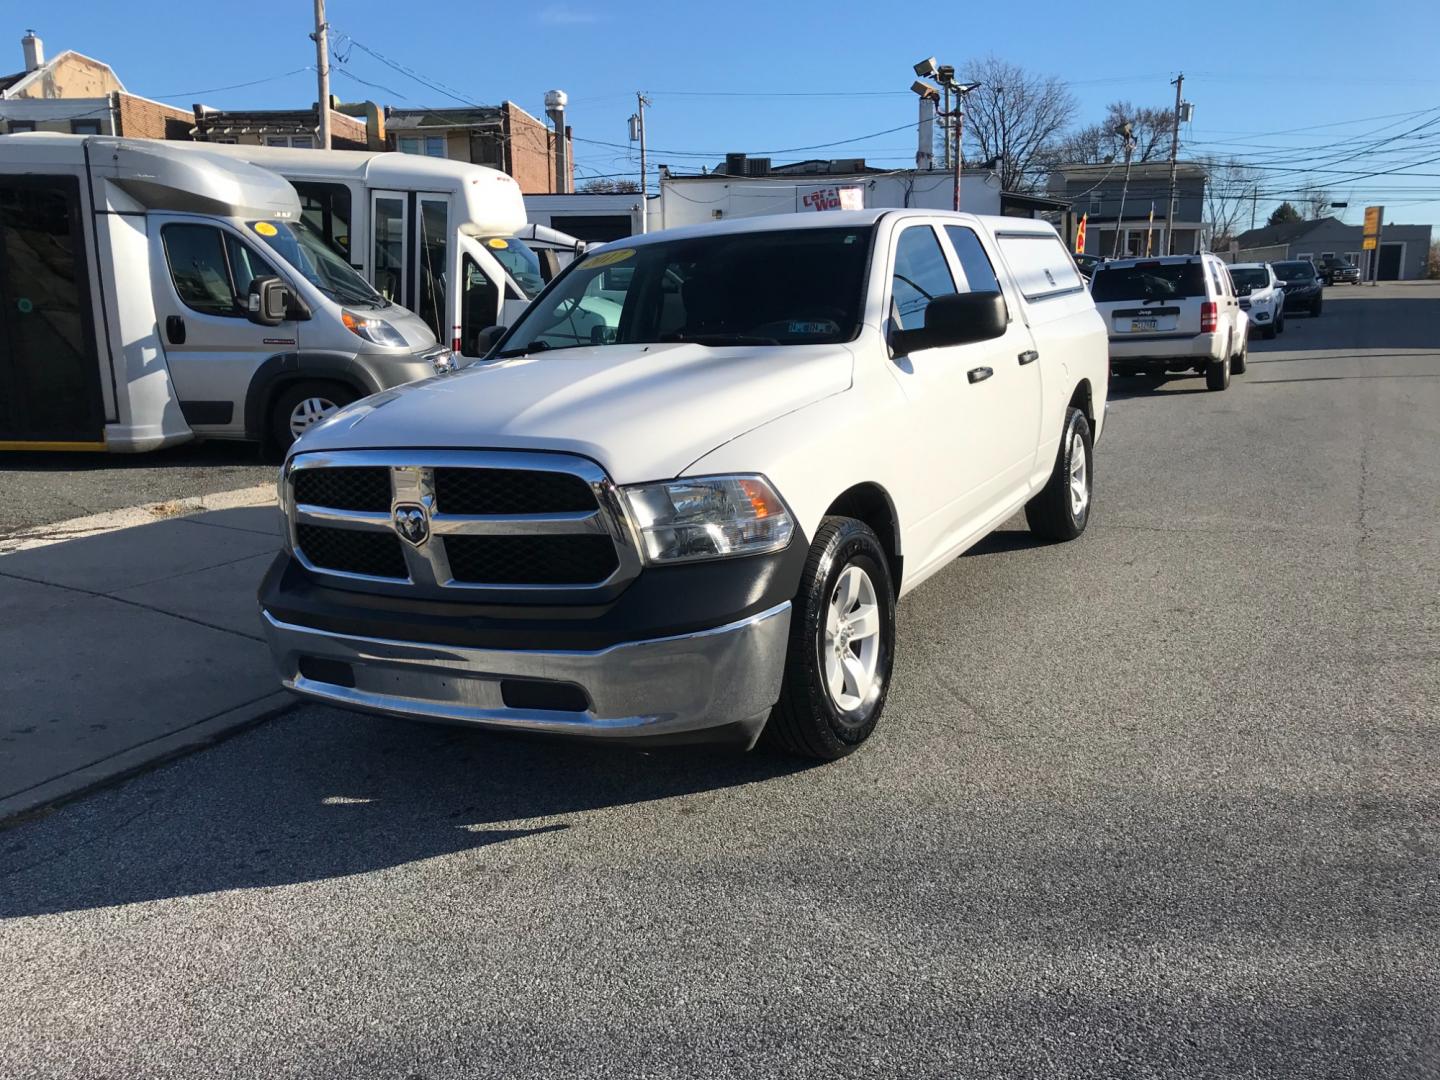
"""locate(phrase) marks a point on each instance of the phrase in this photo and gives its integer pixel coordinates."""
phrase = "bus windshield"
(519, 262)
(304, 249)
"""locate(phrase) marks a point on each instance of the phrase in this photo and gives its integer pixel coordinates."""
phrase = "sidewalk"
(131, 645)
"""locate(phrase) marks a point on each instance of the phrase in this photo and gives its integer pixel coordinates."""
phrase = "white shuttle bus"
(412, 225)
(149, 296)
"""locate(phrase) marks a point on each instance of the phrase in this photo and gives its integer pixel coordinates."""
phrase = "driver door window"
(921, 274)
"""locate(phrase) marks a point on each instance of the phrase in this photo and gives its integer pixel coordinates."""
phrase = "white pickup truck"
(691, 522)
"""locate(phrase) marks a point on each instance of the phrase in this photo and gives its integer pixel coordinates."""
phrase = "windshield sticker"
(608, 258)
(264, 228)
(498, 243)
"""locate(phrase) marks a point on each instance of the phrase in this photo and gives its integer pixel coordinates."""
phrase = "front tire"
(302, 405)
(1316, 308)
(842, 646)
(1061, 510)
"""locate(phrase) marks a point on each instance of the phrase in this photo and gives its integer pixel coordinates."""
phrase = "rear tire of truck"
(1217, 375)
(301, 405)
(1237, 363)
(842, 646)
(1062, 508)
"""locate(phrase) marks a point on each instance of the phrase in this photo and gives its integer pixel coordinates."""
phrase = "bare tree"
(603, 186)
(1015, 117)
(1314, 202)
(1096, 143)
(1228, 191)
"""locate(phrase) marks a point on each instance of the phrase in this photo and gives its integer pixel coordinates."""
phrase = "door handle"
(1029, 356)
(979, 374)
(175, 330)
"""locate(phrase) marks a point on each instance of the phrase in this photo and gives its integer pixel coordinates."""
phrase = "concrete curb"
(41, 799)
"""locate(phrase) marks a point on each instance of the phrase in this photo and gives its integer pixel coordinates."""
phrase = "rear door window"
(921, 274)
(979, 274)
(1149, 281)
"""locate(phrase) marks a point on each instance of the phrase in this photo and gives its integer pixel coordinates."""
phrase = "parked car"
(1303, 288)
(1332, 269)
(695, 524)
(1261, 297)
(1176, 313)
(1087, 264)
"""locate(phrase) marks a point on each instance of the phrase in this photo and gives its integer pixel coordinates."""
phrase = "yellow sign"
(1370, 243)
(498, 243)
(608, 258)
(1373, 215)
(264, 228)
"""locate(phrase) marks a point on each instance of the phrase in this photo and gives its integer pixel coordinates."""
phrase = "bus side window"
(326, 209)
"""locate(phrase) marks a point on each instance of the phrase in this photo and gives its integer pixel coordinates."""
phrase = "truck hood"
(644, 412)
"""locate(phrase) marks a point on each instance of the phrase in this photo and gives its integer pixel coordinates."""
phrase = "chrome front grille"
(440, 520)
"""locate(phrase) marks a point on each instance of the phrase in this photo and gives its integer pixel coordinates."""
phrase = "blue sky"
(758, 76)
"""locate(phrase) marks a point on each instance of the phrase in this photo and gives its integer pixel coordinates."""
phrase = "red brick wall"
(143, 119)
(530, 151)
(347, 133)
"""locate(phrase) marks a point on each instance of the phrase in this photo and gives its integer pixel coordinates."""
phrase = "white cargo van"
(148, 297)
(412, 225)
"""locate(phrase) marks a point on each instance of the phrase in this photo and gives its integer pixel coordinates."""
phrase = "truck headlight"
(375, 331)
(709, 517)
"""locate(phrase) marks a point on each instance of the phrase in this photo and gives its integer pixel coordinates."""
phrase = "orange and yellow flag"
(1080, 235)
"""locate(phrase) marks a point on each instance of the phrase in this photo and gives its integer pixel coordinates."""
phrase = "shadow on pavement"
(288, 803)
(219, 454)
(1126, 387)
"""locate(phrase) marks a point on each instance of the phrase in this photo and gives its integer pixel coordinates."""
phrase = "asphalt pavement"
(1163, 802)
(44, 488)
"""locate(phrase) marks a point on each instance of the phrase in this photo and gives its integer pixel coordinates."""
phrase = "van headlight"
(375, 331)
(709, 517)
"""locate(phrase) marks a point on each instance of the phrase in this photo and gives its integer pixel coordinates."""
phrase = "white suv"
(1261, 296)
(1176, 313)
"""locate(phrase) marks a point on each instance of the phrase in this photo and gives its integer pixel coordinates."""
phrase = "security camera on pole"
(954, 116)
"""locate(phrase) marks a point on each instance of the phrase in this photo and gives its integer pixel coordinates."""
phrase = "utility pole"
(945, 124)
(1254, 203)
(322, 71)
(1179, 82)
(1128, 132)
(640, 102)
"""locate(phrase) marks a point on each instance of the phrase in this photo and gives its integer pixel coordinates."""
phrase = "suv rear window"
(1295, 270)
(1148, 281)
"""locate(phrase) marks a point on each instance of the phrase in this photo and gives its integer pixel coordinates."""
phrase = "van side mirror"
(549, 264)
(485, 340)
(957, 319)
(270, 302)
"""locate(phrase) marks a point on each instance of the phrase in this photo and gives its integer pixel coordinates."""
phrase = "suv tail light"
(1208, 317)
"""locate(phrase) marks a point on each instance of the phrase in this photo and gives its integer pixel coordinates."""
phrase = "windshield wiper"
(539, 346)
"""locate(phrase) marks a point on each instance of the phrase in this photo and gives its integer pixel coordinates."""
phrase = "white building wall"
(695, 200)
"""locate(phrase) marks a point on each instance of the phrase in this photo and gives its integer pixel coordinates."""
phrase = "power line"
(233, 86)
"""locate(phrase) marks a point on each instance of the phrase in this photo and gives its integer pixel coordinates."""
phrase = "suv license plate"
(1143, 324)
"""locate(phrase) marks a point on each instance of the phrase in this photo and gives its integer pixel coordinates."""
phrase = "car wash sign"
(832, 197)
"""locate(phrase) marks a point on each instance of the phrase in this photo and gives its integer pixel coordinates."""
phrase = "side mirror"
(270, 302)
(957, 319)
(485, 340)
(549, 264)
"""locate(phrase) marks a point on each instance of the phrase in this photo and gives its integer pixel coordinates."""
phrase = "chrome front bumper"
(674, 686)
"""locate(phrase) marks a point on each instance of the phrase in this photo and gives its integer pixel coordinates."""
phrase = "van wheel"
(1217, 375)
(301, 405)
(1062, 508)
(842, 645)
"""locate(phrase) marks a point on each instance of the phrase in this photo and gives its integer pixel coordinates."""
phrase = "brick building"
(77, 94)
(503, 136)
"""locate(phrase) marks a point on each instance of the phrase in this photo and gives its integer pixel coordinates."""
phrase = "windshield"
(519, 262)
(1251, 277)
(796, 287)
(306, 250)
(1294, 271)
(1148, 281)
